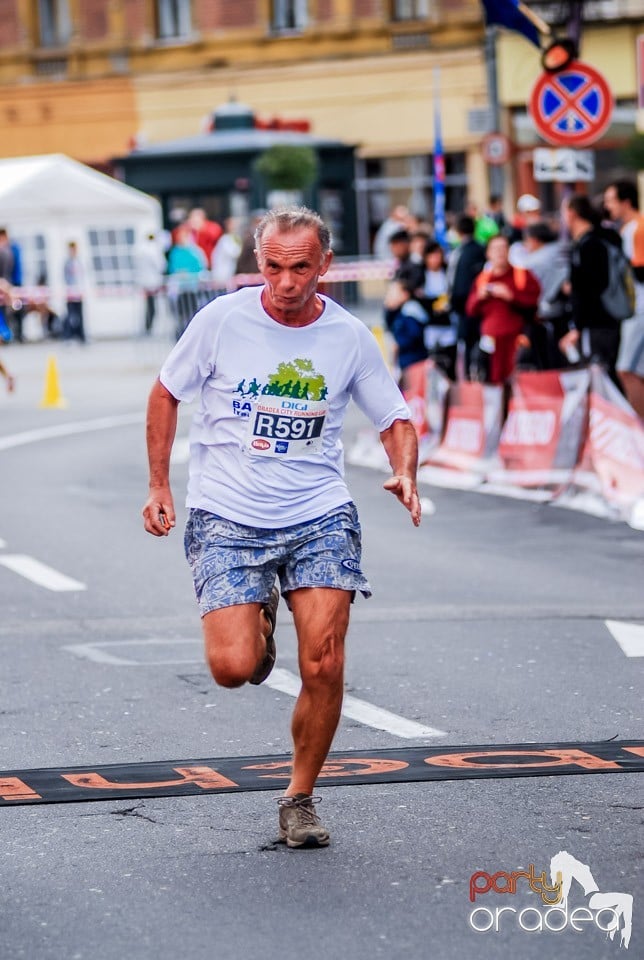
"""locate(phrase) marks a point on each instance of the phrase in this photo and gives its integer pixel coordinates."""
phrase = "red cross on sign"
(572, 108)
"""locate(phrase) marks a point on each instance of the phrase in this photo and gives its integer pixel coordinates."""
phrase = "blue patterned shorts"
(232, 563)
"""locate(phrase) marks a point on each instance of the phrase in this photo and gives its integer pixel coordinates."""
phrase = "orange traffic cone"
(52, 396)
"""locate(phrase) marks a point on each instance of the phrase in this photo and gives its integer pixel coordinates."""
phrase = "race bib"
(284, 427)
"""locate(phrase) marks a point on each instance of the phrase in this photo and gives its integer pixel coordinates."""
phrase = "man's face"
(399, 249)
(613, 204)
(291, 263)
(497, 252)
(196, 219)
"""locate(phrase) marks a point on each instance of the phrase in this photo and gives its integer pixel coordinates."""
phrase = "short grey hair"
(285, 219)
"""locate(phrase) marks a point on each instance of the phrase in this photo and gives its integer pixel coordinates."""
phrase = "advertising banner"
(473, 427)
(544, 429)
(570, 438)
(613, 457)
(426, 390)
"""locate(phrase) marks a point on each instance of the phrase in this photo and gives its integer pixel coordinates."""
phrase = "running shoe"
(268, 662)
(299, 823)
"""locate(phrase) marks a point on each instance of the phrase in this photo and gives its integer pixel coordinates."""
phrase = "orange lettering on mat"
(551, 758)
(364, 766)
(11, 788)
(204, 777)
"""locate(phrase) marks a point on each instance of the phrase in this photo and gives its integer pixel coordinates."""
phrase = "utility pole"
(575, 21)
(496, 174)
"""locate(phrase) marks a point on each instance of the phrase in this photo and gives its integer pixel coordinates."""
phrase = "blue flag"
(507, 13)
(440, 226)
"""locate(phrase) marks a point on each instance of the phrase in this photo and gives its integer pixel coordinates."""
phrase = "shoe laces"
(304, 807)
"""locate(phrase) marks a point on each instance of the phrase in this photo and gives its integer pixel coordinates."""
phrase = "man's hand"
(501, 291)
(158, 513)
(570, 339)
(405, 490)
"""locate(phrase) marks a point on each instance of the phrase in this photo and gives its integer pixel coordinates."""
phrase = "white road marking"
(282, 680)
(354, 709)
(630, 637)
(69, 429)
(39, 573)
(97, 654)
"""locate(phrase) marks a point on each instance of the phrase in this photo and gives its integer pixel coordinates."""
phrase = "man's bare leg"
(235, 642)
(321, 620)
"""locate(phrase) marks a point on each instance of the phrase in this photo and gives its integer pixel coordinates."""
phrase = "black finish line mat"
(180, 778)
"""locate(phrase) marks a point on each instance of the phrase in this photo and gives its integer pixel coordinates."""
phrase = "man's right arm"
(161, 426)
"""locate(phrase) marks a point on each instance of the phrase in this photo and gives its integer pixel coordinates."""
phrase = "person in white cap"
(528, 205)
(528, 213)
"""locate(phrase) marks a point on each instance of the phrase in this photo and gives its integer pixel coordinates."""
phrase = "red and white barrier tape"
(350, 272)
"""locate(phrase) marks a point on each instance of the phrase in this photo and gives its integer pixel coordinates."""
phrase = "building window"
(289, 15)
(112, 253)
(410, 9)
(174, 19)
(54, 24)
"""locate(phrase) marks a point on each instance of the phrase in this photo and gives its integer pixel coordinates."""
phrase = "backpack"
(618, 299)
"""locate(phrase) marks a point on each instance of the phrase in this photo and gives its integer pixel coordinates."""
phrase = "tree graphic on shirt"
(297, 379)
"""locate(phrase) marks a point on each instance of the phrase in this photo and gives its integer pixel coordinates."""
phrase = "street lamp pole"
(496, 173)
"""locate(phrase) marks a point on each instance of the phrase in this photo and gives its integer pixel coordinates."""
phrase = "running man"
(266, 493)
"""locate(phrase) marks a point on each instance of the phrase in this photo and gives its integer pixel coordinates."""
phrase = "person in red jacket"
(503, 297)
(205, 233)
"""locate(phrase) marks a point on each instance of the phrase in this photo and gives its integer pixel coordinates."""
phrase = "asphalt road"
(488, 625)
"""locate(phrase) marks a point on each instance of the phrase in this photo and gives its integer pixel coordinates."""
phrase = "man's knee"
(325, 668)
(232, 640)
(229, 668)
(232, 660)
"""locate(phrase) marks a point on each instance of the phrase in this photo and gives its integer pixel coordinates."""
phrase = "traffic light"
(558, 55)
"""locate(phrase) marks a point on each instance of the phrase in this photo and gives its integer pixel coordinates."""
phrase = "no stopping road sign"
(496, 148)
(572, 108)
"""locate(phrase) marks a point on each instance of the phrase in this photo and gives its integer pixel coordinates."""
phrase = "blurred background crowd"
(504, 290)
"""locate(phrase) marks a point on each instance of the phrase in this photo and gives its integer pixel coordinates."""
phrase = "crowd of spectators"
(499, 293)
(527, 292)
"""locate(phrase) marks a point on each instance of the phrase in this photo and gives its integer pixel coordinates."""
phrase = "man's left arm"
(401, 446)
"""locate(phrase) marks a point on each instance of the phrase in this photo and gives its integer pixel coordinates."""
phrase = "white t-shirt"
(265, 447)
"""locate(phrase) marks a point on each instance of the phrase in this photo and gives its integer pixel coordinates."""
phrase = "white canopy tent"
(46, 202)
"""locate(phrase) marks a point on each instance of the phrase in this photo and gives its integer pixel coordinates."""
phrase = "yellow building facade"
(92, 78)
(361, 71)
